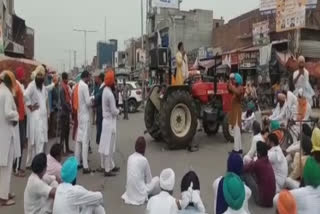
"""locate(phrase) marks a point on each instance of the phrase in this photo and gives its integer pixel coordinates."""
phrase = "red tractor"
(172, 113)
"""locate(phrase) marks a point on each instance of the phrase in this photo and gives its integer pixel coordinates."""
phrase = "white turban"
(301, 59)
(40, 70)
(231, 76)
(167, 179)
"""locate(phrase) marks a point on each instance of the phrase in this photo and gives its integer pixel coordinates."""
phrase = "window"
(217, 24)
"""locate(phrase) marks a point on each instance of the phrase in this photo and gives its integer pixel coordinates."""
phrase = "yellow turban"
(40, 70)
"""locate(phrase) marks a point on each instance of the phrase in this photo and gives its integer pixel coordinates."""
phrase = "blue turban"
(235, 163)
(69, 170)
(238, 78)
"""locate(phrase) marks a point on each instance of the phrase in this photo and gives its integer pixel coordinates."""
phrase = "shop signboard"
(271, 5)
(166, 3)
(291, 14)
(248, 60)
(260, 33)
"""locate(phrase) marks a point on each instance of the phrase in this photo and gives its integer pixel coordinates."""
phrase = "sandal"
(7, 203)
(20, 174)
(11, 195)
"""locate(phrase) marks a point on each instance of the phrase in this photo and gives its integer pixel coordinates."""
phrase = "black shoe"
(115, 169)
(80, 166)
(109, 174)
(86, 171)
(193, 149)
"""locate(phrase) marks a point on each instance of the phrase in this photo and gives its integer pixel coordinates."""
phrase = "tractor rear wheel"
(151, 120)
(211, 128)
(178, 119)
(227, 130)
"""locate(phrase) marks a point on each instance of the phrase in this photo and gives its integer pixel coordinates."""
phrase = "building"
(120, 59)
(15, 35)
(170, 26)
(105, 53)
(133, 49)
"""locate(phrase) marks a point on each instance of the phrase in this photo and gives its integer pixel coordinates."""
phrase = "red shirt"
(265, 179)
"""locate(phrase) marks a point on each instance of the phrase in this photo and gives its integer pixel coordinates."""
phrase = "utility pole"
(74, 59)
(143, 63)
(85, 41)
(69, 53)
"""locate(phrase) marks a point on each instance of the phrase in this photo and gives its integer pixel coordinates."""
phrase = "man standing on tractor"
(182, 65)
(235, 87)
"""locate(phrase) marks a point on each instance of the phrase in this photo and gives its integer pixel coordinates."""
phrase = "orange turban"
(109, 79)
(286, 203)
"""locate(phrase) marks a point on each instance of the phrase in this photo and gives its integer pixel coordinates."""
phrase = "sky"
(54, 21)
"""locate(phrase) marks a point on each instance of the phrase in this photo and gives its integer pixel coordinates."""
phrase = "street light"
(85, 41)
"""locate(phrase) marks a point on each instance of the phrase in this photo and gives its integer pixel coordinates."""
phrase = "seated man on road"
(74, 199)
(140, 184)
(248, 118)
(259, 177)
(235, 165)
(164, 202)
(54, 161)
(280, 112)
(293, 181)
(278, 162)
(307, 198)
(257, 136)
(41, 188)
(190, 185)
(234, 194)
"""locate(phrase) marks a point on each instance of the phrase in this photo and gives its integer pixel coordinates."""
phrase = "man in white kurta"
(140, 184)
(292, 103)
(107, 146)
(36, 96)
(281, 110)
(84, 125)
(74, 199)
(301, 80)
(278, 162)
(164, 202)
(8, 121)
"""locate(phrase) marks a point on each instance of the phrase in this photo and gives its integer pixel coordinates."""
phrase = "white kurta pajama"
(303, 82)
(140, 183)
(8, 114)
(37, 132)
(107, 145)
(71, 199)
(163, 203)
(84, 124)
(280, 114)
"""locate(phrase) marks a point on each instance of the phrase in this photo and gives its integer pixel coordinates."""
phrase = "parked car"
(135, 98)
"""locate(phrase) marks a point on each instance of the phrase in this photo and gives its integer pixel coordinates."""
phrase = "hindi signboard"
(269, 5)
(166, 3)
(291, 14)
(260, 33)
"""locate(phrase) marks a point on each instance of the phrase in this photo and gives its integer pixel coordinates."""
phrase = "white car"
(135, 98)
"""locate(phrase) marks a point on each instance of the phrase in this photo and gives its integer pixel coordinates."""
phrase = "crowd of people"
(273, 172)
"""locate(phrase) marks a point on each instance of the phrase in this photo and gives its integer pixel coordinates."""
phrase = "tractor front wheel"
(178, 119)
(228, 132)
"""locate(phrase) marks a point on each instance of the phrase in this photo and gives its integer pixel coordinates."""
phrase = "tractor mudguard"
(172, 88)
(154, 96)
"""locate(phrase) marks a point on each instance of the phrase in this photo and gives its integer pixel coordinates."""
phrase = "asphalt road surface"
(209, 163)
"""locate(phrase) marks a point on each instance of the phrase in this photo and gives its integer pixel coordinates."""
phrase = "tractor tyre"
(227, 130)
(151, 120)
(211, 128)
(178, 119)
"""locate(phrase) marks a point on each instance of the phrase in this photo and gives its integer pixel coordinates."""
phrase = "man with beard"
(280, 112)
(36, 96)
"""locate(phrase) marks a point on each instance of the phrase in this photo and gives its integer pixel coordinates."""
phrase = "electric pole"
(85, 41)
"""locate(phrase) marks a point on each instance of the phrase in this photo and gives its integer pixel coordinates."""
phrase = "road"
(209, 163)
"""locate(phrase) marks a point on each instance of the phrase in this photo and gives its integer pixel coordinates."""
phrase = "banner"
(291, 14)
(260, 33)
(166, 3)
(267, 5)
(1, 39)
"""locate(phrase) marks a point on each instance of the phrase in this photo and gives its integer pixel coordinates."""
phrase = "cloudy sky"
(54, 22)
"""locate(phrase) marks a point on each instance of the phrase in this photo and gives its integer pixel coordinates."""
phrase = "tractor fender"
(173, 88)
(154, 96)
